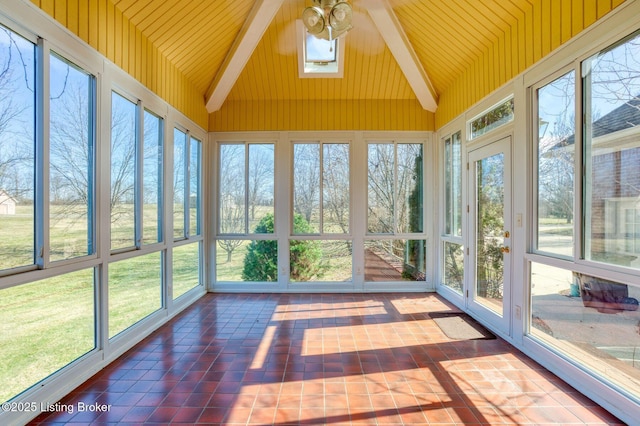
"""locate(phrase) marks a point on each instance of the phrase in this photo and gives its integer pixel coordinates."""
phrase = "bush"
(261, 260)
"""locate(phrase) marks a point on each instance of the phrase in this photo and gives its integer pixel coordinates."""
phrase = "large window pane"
(381, 188)
(17, 150)
(612, 154)
(123, 160)
(453, 266)
(71, 161)
(232, 198)
(395, 260)
(335, 188)
(593, 322)
(321, 188)
(186, 268)
(409, 187)
(179, 182)
(246, 187)
(306, 185)
(320, 260)
(44, 325)
(453, 185)
(556, 151)
(260, 181)
(395, 188)
(194, 186)
(152, 179)
(135, 290)
(244, 260)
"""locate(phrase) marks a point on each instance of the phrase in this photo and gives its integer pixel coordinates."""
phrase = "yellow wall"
(541, 29)
(321, 115)
(103, 27)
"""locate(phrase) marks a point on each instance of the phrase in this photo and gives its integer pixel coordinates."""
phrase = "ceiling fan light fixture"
(328, 19)
(314, 20)
(340, 16)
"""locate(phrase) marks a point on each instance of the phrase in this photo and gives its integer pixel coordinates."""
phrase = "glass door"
(490, 237)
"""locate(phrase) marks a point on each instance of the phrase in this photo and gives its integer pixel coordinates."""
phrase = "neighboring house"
(616, 184)
(7, 203)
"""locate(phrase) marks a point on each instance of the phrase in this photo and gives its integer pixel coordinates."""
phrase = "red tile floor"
(238, 359)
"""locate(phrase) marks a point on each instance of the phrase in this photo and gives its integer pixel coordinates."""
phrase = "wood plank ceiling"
(198, 36)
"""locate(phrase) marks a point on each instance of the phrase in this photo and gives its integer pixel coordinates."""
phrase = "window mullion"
(394, 201)
(139, 174)
(185, 201)
(42, 155)
(321, 189)
(247, 152)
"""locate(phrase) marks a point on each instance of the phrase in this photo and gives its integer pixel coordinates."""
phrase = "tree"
(335, 186)
(17, 105)
(306, 185)
(261, 260)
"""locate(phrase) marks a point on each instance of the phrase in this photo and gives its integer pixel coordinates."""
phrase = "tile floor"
(238, 359)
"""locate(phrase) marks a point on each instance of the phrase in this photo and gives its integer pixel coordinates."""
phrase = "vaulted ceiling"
(246, 49)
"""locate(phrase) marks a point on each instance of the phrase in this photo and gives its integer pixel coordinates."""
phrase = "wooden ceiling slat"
(448, 37)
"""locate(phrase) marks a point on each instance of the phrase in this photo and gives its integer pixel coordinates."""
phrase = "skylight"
(319, 58)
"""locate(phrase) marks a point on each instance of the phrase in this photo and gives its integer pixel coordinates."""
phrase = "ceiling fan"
(328, 19)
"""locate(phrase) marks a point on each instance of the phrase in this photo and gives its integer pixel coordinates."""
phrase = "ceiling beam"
(394, 36)
(252, 31)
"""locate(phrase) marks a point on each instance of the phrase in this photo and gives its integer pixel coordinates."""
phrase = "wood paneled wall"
(322, 115)
(541, 29)
(103, 27)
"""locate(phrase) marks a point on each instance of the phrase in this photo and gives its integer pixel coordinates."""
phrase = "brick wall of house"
(615, 175)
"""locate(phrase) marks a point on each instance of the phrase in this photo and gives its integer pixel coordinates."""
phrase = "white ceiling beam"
(252, 31)
(394, 36)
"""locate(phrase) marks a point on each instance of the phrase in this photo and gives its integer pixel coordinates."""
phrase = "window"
(135, 290)
(17, 151)
(611, 86)
(321, 188)
(556, 156)
(576, 302)
(137, 158)
(195, 154)
(123, 166)
(453, 185)
(246, 249)
(187, 153)
(319, 58)
(47, 212)
(71, 160)
(187, 196)
(453, 251)
(395, 188)
(395, 207)
(501, 114)
(46, 325)
(153, 162)
(321, 206)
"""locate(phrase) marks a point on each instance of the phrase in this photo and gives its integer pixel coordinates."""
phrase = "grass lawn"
(47, 324)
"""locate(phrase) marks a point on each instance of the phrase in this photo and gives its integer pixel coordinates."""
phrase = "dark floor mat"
(460, 326)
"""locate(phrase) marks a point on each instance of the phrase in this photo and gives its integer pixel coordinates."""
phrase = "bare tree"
(16, 118)
(306, 180)
(336, 193)
(231, 201)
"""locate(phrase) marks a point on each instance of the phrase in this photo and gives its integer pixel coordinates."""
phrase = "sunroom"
(155, 152)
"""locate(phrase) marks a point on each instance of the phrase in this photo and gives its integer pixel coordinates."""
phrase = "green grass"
(336, 256)
(47, 324)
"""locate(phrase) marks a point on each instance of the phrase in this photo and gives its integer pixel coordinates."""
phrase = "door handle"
(505, 249)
